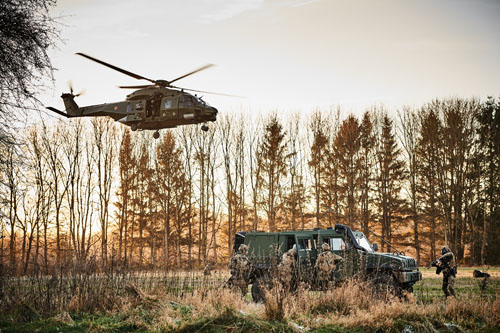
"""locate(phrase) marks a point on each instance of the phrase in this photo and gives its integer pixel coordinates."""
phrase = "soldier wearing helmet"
(240, 268)
(325, 265)
(287, 268)
(448, 266)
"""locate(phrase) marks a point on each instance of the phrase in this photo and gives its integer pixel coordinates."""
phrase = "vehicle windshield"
(364, 243)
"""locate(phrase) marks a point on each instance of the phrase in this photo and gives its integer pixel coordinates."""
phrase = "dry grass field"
(191, 302)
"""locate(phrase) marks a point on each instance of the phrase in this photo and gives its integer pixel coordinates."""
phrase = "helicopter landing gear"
(204, 128)
(156, 135)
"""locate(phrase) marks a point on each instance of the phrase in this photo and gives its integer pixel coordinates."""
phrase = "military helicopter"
(152, 107)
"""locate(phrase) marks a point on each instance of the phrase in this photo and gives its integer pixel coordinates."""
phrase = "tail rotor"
(70, 85)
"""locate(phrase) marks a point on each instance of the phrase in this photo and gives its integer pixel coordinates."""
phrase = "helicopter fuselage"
(149, 109)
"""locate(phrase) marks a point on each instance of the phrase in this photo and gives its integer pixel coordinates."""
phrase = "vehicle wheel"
(156, 135)
(394, 287)
(133, 127)
(204, 128)
(386, 283)
(257, 292)
(408, 288)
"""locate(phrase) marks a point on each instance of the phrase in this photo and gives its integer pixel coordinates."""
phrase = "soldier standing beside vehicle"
(448, 266)
(325, 265)
(240, 268)
(287, 268)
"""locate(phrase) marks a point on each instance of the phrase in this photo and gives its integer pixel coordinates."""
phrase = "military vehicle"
(265, 249)
(153, 106)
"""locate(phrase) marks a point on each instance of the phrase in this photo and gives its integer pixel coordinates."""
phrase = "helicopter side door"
(153, 106)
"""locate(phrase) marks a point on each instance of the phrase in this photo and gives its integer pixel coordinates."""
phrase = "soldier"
(240, 268)
(287, 267)
(448, 266)
(325, 265)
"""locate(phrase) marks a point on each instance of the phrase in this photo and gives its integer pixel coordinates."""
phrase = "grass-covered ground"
(430, 286)
(189, 302)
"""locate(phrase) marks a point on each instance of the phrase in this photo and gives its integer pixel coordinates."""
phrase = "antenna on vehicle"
(386, 242)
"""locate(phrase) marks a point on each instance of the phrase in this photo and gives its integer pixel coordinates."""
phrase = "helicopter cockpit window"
(199, 101)
(188, 101)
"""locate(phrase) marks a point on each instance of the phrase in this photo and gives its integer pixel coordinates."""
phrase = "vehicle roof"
(306, 232)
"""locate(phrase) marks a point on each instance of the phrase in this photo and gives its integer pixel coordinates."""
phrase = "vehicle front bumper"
(411, 276)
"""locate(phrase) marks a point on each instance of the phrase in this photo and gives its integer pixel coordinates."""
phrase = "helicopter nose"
(214, 113)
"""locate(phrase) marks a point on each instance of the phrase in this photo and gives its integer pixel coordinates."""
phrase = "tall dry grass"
(91, 292)
(354, 306)
(176, 300)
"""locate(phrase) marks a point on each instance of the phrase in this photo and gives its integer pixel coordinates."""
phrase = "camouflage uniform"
(288, 268)
(325, 265)
(240, 268)
(449, 268)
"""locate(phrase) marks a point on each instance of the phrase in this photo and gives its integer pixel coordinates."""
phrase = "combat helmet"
(243, 249)
(445, 249)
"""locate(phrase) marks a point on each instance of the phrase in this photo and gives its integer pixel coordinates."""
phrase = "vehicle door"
(306, 253)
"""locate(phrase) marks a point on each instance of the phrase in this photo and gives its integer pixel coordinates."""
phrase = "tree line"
(91, 194)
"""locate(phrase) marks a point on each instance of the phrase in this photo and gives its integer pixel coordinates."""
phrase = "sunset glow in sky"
(286, 55)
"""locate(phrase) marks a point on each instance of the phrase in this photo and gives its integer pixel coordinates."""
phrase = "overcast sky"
(284, 55)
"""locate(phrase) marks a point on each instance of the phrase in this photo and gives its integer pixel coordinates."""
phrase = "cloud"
(223, 10)
(301, 3)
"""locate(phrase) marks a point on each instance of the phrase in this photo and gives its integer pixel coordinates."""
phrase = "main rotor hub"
(162, 83)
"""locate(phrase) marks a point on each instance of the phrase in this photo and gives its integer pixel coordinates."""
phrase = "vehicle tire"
(408, 288)
(257, 291)
(385, 283)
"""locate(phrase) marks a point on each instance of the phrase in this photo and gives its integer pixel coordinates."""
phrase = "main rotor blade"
(135, 76)
(136, 87)
(208, 92)
(190, 73)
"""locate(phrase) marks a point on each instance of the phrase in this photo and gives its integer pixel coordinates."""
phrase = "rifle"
(436, 263)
